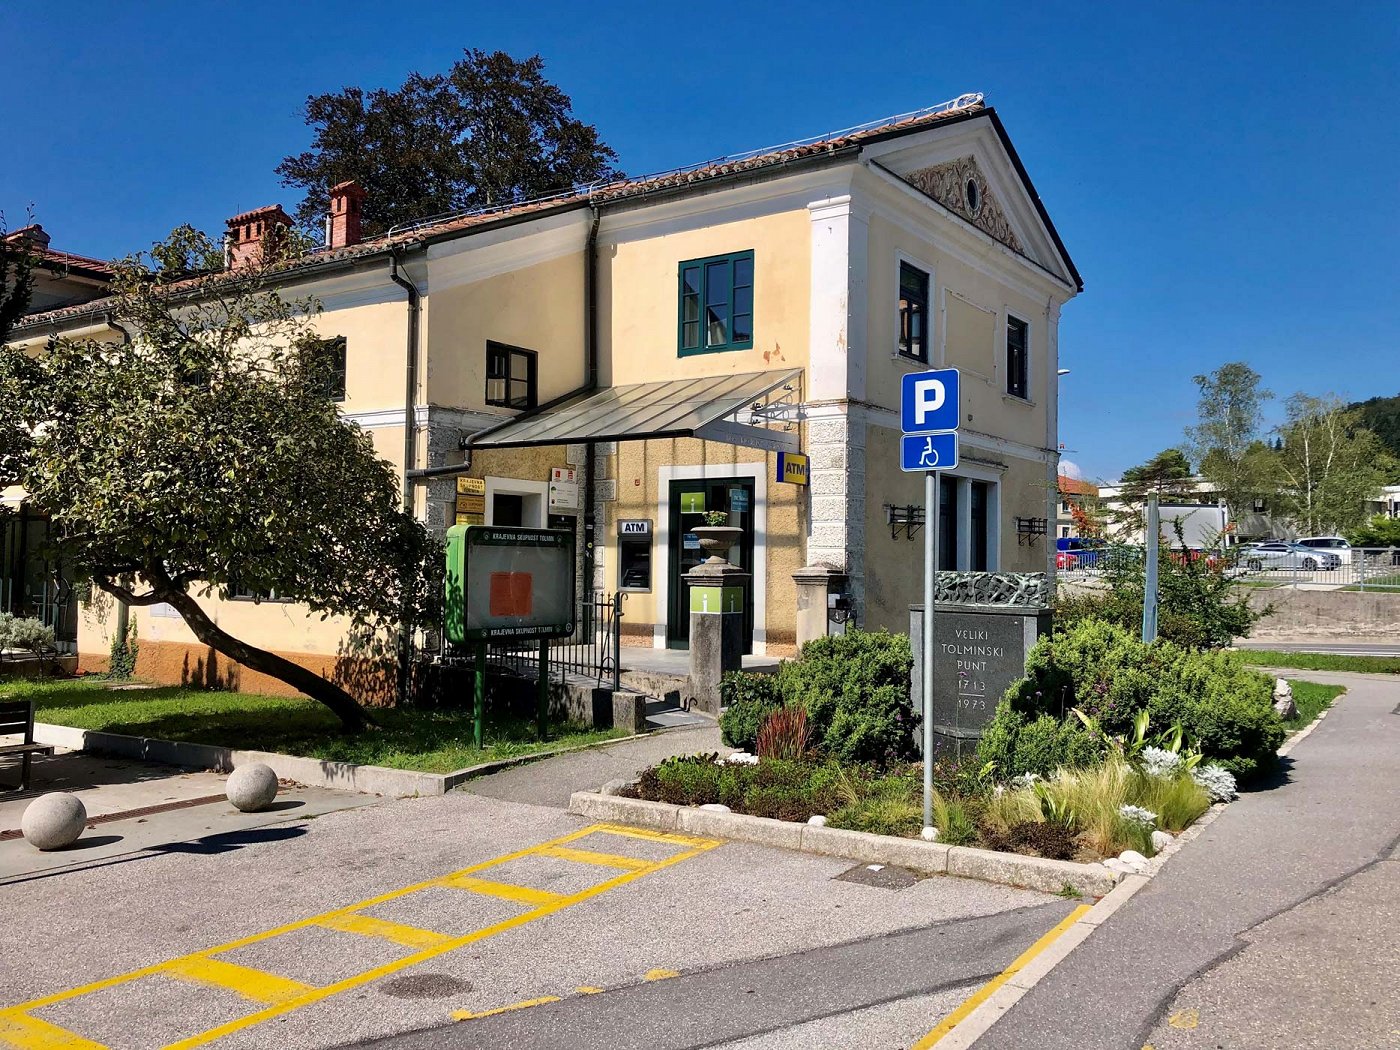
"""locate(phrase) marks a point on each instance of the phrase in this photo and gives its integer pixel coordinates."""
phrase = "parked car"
(1087, 551)
(1066, 560)
(1277, 554)
(1332, 544)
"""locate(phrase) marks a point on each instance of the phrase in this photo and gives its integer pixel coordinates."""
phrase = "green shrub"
(25, 633)
(748, 700)
(855, 688)
(1017, 744)
(1224, 708)
(689, 781)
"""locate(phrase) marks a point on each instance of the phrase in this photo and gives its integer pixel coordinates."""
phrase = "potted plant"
(717, 535)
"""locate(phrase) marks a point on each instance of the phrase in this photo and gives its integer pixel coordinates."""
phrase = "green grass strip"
(1321, 661)
(426, 741)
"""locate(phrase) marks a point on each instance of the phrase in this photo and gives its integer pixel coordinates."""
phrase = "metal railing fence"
(592, 651)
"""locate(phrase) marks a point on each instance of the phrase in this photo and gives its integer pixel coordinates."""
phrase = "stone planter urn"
(717, 539)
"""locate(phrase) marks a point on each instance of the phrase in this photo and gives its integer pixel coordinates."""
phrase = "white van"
(1331, 544)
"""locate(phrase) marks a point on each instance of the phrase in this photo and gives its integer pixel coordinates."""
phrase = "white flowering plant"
(1138, 815)
(1219, 782)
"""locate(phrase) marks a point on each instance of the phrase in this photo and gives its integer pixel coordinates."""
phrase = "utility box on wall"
(979, 650)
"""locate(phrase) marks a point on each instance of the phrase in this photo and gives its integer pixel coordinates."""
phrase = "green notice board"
(508, 583)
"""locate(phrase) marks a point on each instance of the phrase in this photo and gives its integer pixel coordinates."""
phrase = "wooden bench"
(17, 719)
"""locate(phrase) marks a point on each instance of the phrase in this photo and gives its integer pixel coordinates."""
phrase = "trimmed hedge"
(854, 688)
(1224, 708)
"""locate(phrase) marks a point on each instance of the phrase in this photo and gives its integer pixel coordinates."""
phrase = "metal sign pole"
(1149, 588)
(930, 575)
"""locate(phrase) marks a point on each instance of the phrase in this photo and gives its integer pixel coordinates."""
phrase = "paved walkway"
(1278, 927)
(551, 781)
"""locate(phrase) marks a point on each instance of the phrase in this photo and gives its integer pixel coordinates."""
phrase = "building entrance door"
(690, 501)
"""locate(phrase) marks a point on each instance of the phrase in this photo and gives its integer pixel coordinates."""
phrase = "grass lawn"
(1321, 661)
(1372, 583)
(425, 741)
(1311, 698)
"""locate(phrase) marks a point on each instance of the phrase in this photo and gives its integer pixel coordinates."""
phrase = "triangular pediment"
(961, 187)
(970, 168)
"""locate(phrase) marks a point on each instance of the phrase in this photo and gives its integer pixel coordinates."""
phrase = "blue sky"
(1223, 174)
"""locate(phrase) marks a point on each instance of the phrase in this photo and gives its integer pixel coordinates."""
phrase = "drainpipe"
(410, 396)
(590, 338)
(405, 641)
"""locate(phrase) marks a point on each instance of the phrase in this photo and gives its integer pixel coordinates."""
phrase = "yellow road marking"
(652, 836)
(587, 989)
(467, 1015)
(982, 994)
(30, 1033)
(503, 890)
(1185, 1018)
(19, 1030)
(602, 860)
(368, 926)
(659, 975)
(257, 985)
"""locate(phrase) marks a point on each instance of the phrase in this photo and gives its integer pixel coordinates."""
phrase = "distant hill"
(1382, 415)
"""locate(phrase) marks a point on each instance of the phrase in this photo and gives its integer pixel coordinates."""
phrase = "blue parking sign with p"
(928, 451)
(929, 401)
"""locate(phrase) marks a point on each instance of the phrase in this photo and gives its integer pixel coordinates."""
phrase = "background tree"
(490, 131)
(1329, 465)
(1378, 531)
(1168, 474)
(206, 455)
(1226, 443)
(1381, 416)
(16, 370)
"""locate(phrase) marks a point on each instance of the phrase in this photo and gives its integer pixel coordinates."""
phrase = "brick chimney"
(34, 234)
(250, 234)
(347, 206)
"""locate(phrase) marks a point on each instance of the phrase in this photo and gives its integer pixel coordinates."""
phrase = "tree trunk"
(352, 716)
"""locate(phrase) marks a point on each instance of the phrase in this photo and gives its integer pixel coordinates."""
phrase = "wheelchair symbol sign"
(919, 452)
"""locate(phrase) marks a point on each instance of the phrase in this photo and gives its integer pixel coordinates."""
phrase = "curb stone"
(1049, 876)
(314, 772)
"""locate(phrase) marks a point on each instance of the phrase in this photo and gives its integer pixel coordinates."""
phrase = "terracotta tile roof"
(446, 226)
(1077, 487)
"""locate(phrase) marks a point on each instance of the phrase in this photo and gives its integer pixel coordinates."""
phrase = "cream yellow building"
(620, 360)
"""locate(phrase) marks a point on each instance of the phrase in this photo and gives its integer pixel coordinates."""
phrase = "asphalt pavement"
(1277, 927)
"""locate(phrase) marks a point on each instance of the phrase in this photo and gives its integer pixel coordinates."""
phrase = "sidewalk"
(1278, 927)
(551, 781)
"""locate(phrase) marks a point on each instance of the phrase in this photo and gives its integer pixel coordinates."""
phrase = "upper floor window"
(913, 312)
(330, 366)
(1017, 357)
(510, 376)
(716, 304)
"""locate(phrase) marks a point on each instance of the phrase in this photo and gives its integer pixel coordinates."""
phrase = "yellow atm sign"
(792, 468)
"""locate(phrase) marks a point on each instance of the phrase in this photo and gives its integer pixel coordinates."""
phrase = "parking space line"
(30, 1033)
(504, 890)
(601, 860)
(651, 836)
(985, 992)
(257, 985)
(398, 933)
(21, 1030)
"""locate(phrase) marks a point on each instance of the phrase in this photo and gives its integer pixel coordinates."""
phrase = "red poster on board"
(511, 594)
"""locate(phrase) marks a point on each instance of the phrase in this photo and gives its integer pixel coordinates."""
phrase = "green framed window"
(716, 304)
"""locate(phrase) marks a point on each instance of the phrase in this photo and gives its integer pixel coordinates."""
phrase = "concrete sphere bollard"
(54, 820)
(251, 788)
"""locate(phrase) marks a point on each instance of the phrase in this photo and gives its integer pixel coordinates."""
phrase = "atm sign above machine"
(793, 468)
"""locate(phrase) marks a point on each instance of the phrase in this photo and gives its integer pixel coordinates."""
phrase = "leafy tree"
(204, 456)
(490, 131)
(1329, 465)
(16, 290)
(1226, 442)
(1380, 531)
(1381, 416)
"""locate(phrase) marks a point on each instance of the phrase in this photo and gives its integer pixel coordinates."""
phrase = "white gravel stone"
(929, 834)
(615, 787)
(54, 820)
(716, 807)
(251, 787)
(1114, 864)
(1161, 840)
(742, 758)
(817, 820)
